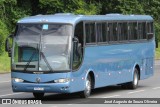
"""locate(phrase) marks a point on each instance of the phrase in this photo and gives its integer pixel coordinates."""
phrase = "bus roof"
(72, 19)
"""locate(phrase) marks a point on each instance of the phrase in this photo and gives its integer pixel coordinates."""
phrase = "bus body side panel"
(114, 64)
(147, 69)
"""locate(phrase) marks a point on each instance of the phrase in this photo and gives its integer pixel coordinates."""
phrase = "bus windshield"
(42, 47)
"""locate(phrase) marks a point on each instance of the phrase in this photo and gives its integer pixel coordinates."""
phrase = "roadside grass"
(158, 52)
(4, 63)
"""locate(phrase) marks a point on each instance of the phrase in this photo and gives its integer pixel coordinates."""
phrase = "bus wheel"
(38, 95)
(134, 83)
(87, 91)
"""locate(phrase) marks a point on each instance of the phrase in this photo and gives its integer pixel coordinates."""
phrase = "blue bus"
(67, 53)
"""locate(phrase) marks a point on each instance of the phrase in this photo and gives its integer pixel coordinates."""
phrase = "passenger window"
(90, 33)
(123, 31)
(144, 34)
(110, 31)
(125, 28)
(78, 46)
(149, 27)
(104, 32)
(149, 30)
(79, 33)
(115, 36)
(142, 30)
(101, 32)
(133, 31)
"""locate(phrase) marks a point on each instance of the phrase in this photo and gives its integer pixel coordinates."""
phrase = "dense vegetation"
(12, 10)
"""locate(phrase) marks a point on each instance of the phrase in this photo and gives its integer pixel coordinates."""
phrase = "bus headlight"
(63, 80)
(17, 79)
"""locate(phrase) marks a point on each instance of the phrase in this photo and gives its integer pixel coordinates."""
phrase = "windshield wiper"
(47, 63)
(30, 59)
(43, 56)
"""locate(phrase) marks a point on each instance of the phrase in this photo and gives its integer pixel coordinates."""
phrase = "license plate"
(39, 88)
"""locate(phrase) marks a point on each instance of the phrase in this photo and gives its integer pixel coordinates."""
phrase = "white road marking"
(136, 91)
(156, 88)
(11, 94)
(112, 96)
(4, 81)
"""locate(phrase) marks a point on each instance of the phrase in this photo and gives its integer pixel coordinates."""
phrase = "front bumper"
(41, 87)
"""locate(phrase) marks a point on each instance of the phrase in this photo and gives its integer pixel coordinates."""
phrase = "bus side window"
(78, 46)
(101, 32)
(104, 32)
(144, 35)
(140, 30)
(135, 34)
(133, 31)
(115, 31)
(129, 30)
(79, 33)
(149, 30)
(110, 31)
(123, 31)
(90, 33)
(120, 32)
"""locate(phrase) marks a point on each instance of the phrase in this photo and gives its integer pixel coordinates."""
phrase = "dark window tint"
(79, 32)
(90, 33)
(101, 32)
(149, 30)
(112, 31)
(123, 31)
(115, 36)
(144, 34)
(78, 47)
(142, 30)
(132, 29)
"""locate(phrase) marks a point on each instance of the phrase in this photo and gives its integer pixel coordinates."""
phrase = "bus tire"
(88, 86)
(38, 95)
(134, 83)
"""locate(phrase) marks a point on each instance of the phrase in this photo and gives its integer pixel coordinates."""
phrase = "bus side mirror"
(77, 49)
(8, 46)
(75, 43)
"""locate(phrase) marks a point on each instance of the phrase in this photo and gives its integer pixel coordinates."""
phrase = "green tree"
(130, 7)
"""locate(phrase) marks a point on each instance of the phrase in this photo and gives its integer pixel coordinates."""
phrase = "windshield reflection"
(42, 47)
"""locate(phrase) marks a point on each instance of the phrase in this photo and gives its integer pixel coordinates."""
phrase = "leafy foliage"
(12, 10)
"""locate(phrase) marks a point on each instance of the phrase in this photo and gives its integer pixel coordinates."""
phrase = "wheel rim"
(135, 79)
(88, 86)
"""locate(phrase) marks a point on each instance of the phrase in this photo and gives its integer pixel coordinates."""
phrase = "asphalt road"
(149, 88)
